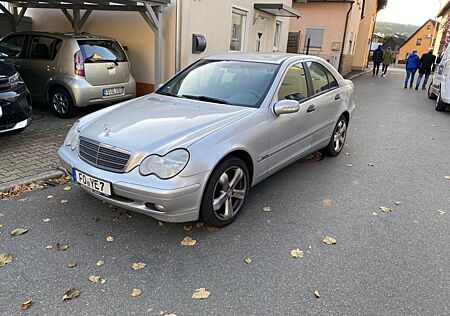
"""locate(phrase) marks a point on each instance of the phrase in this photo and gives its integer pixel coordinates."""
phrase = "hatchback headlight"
(15, 79)
(167, 166)
(73, 136)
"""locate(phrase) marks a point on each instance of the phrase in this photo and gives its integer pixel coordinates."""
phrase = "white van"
(439, 88)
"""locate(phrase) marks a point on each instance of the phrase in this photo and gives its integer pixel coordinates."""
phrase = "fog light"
(160, 207)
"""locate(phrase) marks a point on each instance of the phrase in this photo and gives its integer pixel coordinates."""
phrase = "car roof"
(268, 58)
(63, 35)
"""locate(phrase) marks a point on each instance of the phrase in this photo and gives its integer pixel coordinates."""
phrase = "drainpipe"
(178, 36)
(345, 36)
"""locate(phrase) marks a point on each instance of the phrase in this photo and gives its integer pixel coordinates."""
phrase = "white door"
(261, 34)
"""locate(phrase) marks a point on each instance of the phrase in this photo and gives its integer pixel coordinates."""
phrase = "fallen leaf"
(188, 241)
(110, 238)
(347, 154)
(266, 209)
(398, 202)
(138, 266)
(136, 292)
(25, 305)
(1, 225)
(348, 165)
(317, 293)
(371, 164)
(433, 125)
(72, 264)
(212, 229)
(61, 247)
(329, 240)
(100, 263)
(447, 177)
(248, 260)
(199, 224)
(71, 293)
(67, 188)
(385, 209)
(327, 202)
(63, 201)
(5, 258)
(49, 196)
(164, 313)
(187, 228)
(46, 220)
(201, 293)
(49, 247)
(96, 279)
(297, 253)
(160, 223)
(375, 213)
(440, 212)
(19, 231)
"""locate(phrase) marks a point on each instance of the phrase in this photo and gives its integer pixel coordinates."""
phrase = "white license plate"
(92, 183)
(112, 91)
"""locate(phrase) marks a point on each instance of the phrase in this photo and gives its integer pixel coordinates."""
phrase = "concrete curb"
(52, 174)
(362, 73)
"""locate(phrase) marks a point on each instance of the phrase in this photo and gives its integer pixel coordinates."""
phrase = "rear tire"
(62, 103)
(431, 95)
(440, 106)
(338, 138)
(225, 193)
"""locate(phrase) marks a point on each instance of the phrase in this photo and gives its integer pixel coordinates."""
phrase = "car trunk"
(105, 62)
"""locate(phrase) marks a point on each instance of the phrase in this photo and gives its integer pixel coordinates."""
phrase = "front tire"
(62, 103)
(225, 192)
(338, 138)
(440, 106)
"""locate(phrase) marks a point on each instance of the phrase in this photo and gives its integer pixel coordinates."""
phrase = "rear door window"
(101, 51)
(332, 82)
(318, 76)
(45, 48)
(13, 46)
(294, 85)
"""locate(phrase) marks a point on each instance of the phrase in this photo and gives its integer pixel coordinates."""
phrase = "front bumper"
(180, 196)
(15, 109)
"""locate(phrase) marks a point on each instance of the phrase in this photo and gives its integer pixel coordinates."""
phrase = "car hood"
(158, 124)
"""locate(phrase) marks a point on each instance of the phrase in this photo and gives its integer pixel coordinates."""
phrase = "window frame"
(277, 35)
(308, 87)
(30, 43)
(314, 95)
(244, 13)
(419, 42)
(306, 37)
(24, 47)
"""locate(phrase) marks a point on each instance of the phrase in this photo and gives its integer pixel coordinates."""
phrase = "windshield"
(226, 82)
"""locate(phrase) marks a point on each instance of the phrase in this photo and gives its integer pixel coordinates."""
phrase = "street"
(383, 263)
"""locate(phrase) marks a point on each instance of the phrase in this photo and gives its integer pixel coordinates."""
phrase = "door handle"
(311, 108)
(337, 97)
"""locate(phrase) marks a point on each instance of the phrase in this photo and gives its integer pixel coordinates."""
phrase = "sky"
(414, 12)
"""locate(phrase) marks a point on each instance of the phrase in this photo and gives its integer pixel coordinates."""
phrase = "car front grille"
(8, 121)
(103, 156)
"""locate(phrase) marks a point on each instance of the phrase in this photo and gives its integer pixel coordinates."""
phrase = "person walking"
(426, 64)
(377, 59)
(387, 61)
(412, 63)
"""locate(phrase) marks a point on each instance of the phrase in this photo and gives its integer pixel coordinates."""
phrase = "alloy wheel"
(229, 193)
(60, 103)
(340, 134)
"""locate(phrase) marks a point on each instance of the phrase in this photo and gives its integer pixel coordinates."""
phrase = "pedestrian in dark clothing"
(377, 59)
(412, 63)
(426, 64)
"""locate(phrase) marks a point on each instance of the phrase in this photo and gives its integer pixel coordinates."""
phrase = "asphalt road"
(386, 264)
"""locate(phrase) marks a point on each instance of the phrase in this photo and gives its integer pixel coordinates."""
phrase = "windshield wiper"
(205, 98)
(170, 94)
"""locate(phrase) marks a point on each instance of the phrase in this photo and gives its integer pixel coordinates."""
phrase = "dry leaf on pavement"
(19, 231)
(110, 238)
(188, 241)
(187, 228)
(375, 213)
(248, 260)
(67, 188)
(329, 240)
(100, 263)
(266, 209)
(327, 202)
(317, 294)
(160, 223)
(385, 209)
(440, 212)
(1, 225)
(63, 201)
(201, 294)
(72, 264)
(371, 164)
(136, 292)
(5, 258)
(164, 313)
(297, 253)
(25, 305)
(49, 196)
(138, 265)
(199, 224)
(212, 229)
(61, 247)
(348, 165)
(96, 279)
(49, 247)
(46, 220)
(447, 177)
(398, 203)
(71, 293)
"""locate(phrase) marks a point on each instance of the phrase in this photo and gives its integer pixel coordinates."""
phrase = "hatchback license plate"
(92, 183)
(112, 91)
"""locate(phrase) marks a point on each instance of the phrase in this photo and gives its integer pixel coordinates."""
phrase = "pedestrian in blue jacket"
(412, 64)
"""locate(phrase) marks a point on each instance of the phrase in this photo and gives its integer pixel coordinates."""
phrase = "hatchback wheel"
(440, 106)
(338, 138)
(225, 192)
(61, 102)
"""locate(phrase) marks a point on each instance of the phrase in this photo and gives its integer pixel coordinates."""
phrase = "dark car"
(15, 101)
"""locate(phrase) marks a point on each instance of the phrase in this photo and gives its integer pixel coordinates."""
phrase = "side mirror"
(286, 107)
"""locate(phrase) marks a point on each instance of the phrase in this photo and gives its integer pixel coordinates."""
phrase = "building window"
(419, 42)
(277, 38)
(238, 23)
(315, 35)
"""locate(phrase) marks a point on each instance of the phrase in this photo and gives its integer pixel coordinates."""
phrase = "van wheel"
(61, 102)
(440, 106)
(431, 95)
(338, 138)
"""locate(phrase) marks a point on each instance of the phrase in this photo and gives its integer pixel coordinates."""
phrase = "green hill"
(388, 28)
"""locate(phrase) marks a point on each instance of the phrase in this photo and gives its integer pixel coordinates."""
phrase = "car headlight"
(167, 166)
(73, 136)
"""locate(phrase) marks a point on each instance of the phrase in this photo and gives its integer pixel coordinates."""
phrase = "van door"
(105, 62)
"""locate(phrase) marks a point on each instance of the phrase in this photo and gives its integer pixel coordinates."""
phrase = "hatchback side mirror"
(286, 107)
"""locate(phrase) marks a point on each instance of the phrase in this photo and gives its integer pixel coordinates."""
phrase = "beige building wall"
(363, 43)
(211, 18)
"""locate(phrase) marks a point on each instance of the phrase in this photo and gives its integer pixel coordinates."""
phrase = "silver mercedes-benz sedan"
(195, 147)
